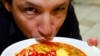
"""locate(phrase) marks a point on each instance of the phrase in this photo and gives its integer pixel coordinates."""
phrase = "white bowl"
(16, 47)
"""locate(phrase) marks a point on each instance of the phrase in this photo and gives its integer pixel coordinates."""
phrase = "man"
(41, 19)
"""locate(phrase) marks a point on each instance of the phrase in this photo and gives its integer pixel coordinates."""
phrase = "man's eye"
(59, 9)
(30, 10)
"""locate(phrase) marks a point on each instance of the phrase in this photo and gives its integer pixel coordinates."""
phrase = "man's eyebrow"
(33, 4)
(28, 3)
(62, 4)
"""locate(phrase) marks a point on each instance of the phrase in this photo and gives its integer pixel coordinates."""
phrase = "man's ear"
(7, 5)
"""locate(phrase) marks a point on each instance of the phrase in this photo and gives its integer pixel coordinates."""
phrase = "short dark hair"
(9, 1)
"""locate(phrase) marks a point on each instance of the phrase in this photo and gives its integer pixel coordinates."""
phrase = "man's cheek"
(30, 26)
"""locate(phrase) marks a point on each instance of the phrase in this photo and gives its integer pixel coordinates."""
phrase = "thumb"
(92, 41)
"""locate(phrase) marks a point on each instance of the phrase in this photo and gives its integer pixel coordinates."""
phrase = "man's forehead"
(41, 4)
(45, 2)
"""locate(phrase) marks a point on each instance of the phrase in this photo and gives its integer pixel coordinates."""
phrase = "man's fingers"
(92, 41)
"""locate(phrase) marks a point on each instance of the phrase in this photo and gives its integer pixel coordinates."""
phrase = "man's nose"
(46, 25)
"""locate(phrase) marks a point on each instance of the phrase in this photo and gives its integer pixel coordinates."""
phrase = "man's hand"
(93, 42)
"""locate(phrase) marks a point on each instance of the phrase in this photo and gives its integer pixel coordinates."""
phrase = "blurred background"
(88, 14)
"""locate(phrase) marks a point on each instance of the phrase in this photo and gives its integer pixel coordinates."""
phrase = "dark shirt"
(10, 33)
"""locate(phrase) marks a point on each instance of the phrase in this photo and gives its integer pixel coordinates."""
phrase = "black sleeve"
(70, 28)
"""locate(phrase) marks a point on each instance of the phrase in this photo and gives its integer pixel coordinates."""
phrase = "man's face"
(39, 18)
